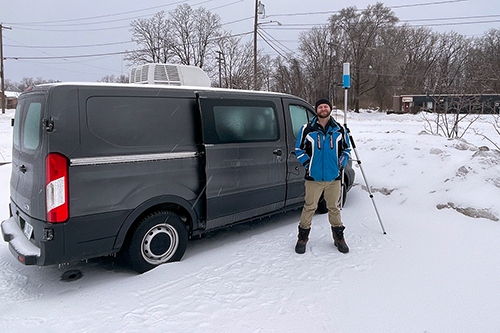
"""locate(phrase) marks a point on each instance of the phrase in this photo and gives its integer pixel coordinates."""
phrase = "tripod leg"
(358, 160)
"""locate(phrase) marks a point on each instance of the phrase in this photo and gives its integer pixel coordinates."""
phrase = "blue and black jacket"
(323, 151)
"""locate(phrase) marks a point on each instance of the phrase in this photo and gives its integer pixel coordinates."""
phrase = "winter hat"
(323, 101)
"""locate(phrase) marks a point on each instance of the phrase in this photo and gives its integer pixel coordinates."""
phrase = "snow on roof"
(12, 94)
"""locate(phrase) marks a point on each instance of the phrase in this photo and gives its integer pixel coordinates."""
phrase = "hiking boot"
(338, 239)
(300, 248)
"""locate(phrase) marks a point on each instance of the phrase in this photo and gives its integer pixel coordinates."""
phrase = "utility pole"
(219, 60)
(259, 9)
(330, 67)
(1, 68)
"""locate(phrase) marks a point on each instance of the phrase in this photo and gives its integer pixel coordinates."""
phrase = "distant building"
(9, 100)
(467, 103)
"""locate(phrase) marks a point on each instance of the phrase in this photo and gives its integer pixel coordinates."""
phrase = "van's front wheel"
(159, 238)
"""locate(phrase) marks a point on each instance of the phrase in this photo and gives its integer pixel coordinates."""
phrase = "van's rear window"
(32, 126)
(28, 123)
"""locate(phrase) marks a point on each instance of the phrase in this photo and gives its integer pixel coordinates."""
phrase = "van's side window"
(240, 124)
(140, 121)
(229, 121)
(300, 116)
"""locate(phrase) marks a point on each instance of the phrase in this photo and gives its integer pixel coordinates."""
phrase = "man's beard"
(326, 115)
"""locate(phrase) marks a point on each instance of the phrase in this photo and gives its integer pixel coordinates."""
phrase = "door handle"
(278, 152)
(23, 169)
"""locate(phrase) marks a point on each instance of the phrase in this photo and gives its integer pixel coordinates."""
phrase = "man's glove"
(343, 160)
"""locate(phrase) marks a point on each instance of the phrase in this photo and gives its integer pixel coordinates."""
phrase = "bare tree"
(316, 50)
(114, 79)
(448, 74)
(193, 34)
(385, 59)
(485, 62)
(11, 86)
(359, 32)
(495, 122)
(266, 70)
(289, 77)
(153, 38)
(417, 60)
(453, 115)
(27, 82)
(184, 36)
(236, 62)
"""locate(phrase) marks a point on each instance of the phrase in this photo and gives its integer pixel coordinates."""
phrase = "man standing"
(323, 148)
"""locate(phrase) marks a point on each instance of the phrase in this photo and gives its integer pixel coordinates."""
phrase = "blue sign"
(346, 79)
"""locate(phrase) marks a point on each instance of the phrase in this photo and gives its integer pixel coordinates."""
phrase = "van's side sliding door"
(297, 113)
(245, 152)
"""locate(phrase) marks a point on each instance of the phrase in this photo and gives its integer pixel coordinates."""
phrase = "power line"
(392, 7)
(456, 23)
(42, 26)
(302, 14)
(265, 40)
(226, 5)
(43, 64)
(451, 18)
(280, 45)
(96, 17)
(73, 30)
(68, 57)
(240, 20)
(426, 4)
(107, 54)
(67, 46)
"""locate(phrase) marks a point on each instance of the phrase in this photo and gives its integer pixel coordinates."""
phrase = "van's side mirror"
(12, 122)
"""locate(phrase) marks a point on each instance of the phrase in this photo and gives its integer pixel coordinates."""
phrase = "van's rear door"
(28, 155)
(245, 151)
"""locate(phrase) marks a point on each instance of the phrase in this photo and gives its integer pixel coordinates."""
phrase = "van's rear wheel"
(344, 194)
(159, 238)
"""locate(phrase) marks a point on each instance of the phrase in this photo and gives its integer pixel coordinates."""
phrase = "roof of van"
(160, 86)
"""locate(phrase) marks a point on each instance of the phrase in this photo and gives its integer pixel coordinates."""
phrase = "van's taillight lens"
(56, 189)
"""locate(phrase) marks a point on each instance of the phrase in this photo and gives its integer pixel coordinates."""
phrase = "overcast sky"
(95, 29)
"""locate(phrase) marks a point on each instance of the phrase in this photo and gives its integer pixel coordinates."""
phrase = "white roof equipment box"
(171, 74)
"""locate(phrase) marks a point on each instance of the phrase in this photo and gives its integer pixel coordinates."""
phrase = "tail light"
(56, 189)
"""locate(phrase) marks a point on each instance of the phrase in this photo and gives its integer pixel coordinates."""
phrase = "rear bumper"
(20, 246)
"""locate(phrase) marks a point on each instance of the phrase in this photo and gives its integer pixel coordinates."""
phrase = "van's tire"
(158, 238)
(344, 194)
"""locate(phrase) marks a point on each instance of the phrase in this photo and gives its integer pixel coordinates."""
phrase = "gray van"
(99, 169)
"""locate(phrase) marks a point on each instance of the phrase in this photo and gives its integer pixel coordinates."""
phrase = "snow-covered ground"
(436, 270)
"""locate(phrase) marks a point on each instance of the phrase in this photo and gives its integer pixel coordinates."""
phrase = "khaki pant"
(331, 193)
